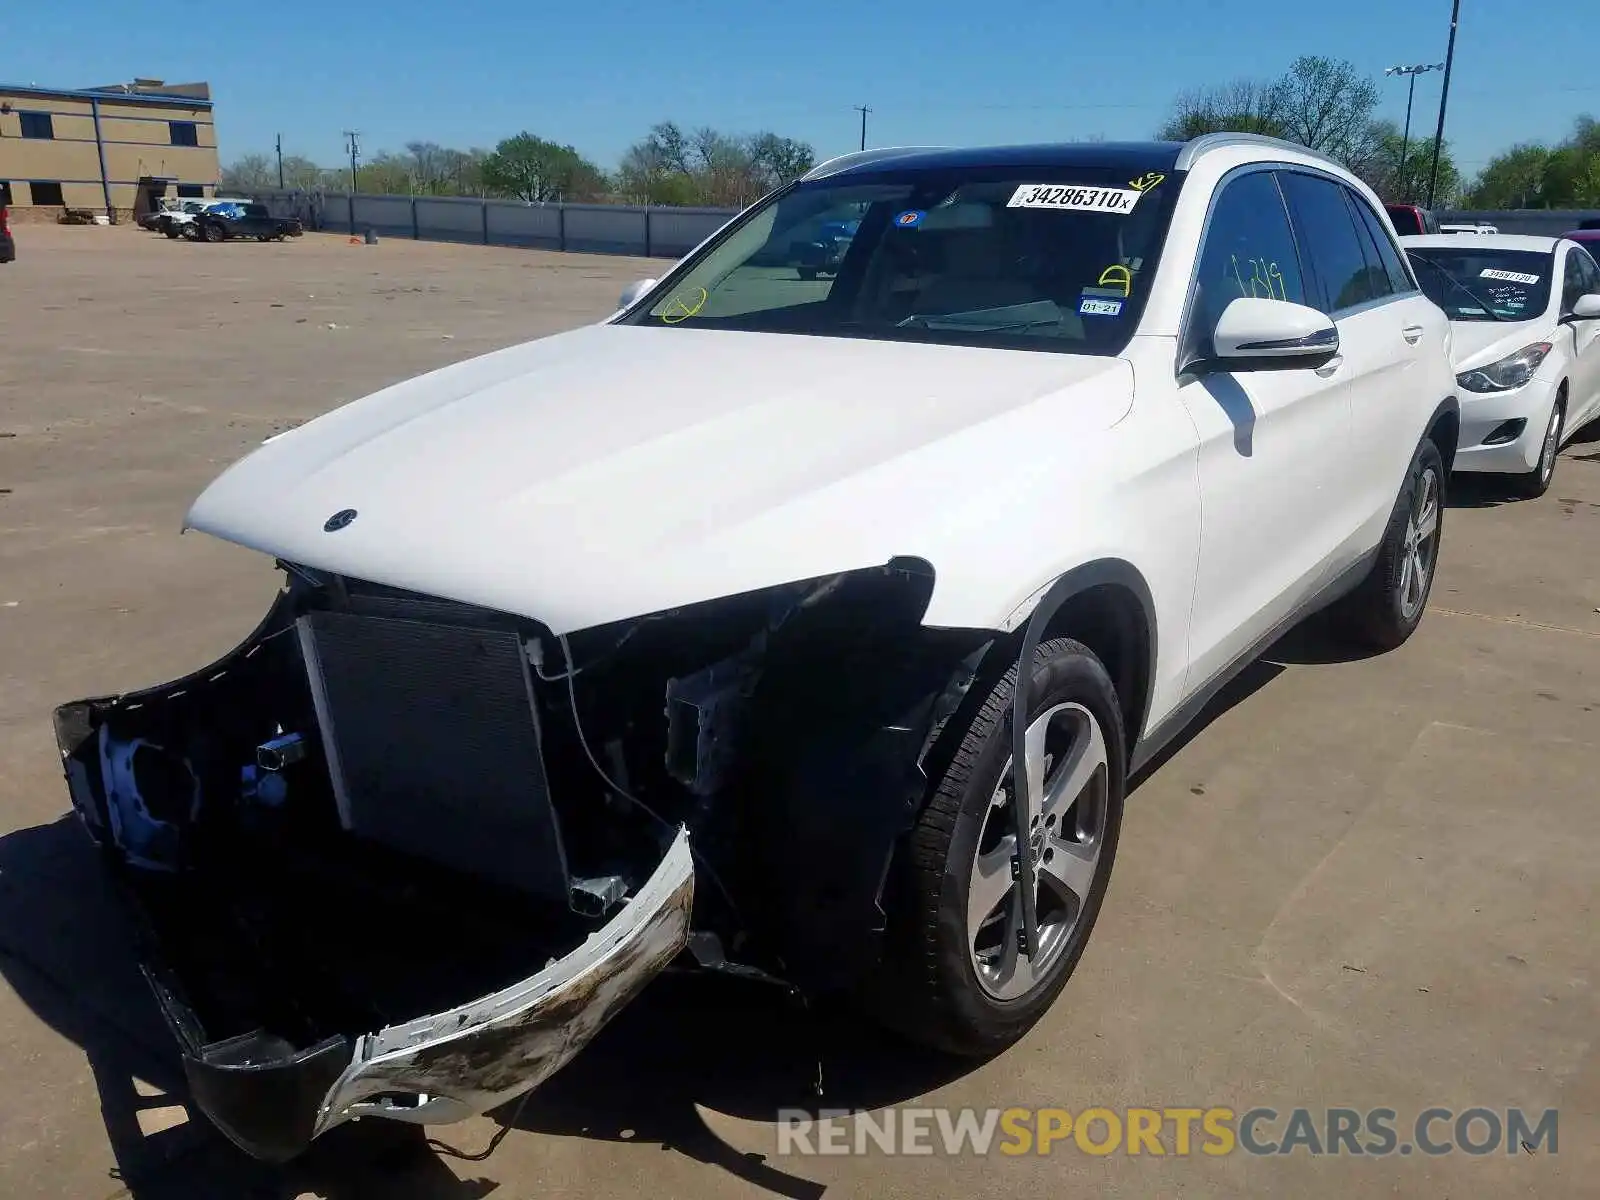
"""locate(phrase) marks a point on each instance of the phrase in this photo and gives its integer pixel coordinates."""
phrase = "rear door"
(1274, 444)
(1385, 326)
(1582, 276)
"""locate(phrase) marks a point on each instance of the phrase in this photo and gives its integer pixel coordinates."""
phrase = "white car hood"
(615, 471)
(1479, 343)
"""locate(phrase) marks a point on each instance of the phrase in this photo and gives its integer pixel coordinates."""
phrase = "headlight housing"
(1512, 371)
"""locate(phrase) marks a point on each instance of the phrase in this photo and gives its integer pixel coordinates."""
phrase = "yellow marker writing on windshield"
(679, 310)
(1147, 181)
(1118, 276)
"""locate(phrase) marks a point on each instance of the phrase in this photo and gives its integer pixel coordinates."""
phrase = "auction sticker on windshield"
(1508, 276)
(1076, 199)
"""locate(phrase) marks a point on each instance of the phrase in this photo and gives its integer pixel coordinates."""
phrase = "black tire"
(1387, 606)
(1537, 481)
(212, 232)
(929, 989)
(172, 231)
(806, 273)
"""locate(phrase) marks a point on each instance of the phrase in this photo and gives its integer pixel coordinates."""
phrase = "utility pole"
(280, 162)
(352, 136)
(1405, 138)
(1444, 97)
(863, 110)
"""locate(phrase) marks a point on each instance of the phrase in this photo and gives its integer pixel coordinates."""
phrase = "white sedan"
(1525, 326)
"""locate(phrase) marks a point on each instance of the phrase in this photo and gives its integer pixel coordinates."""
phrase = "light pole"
(1405, 138)
(863, 110)
(1444, 96)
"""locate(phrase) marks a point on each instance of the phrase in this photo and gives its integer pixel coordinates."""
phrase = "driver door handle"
(1412, 333)
(1332, 365)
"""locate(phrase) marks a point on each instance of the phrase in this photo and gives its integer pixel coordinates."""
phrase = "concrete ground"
(1362, 884)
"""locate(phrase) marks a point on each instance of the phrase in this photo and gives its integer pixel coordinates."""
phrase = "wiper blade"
(1486, 305)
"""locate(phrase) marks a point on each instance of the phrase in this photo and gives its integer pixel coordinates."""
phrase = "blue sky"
(938, 71)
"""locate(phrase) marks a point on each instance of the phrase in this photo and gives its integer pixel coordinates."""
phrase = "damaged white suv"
(697, 631)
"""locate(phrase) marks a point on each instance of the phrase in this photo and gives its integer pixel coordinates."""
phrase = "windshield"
(1483, 284)
(1055, 259)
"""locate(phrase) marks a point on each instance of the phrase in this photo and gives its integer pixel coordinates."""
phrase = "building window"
(184, 133)
(191, 191)
(37, 125)
(46, 194)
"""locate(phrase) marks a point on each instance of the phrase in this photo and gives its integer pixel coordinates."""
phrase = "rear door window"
(1326, 231)
(1381, 244)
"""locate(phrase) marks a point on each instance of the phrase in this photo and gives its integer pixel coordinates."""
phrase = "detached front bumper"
(272, 1090)
(1482, 415)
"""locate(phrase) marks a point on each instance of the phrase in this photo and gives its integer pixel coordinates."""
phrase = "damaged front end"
(398, 856)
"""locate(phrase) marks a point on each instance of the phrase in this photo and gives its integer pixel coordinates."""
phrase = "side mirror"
(1258, 334)
(634, 290)
(1587, 308)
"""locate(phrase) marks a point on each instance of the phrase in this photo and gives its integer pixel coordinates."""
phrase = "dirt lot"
(1365, 883)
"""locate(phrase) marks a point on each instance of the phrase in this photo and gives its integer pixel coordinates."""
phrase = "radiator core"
(432, 742)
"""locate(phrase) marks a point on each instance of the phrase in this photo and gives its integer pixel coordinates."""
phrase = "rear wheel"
(172, 231)
(214, 233)
(956, 976)
(806, 273)
(1537, 481)
(1388, 605)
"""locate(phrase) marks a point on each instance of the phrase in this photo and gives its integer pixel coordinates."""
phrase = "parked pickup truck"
(242, 219)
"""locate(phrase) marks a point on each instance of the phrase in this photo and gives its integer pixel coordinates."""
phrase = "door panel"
(1273, 443)
(1395, 335)
(1583, 400)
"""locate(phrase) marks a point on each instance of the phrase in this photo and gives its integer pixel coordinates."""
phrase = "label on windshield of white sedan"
(1508, 276)
(1074, 199)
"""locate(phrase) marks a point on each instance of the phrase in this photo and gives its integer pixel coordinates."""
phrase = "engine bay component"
(407, 708)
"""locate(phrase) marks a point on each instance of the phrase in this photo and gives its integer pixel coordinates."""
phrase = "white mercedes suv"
(699, 631)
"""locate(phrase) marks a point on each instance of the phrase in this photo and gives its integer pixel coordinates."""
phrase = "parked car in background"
(1472, 229)
(8, 241)
(822, 254)
(178, 220)
(1525, 324)
(696, 633)
(226, 220)
(1588, 238)
(1411, 219)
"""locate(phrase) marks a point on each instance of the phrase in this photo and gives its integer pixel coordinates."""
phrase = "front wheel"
(1387, 606)
(214, 233)
(1537, 481)
(956, 976)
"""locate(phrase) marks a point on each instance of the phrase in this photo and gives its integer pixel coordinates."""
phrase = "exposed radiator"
(432, 741)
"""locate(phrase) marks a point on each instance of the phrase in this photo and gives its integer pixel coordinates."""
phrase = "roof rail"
(861, 158)
(1206, 142)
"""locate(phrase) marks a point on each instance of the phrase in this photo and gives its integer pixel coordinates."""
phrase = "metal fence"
(658, 232)
(1545, 222)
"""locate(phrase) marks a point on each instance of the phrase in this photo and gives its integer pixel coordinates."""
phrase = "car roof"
(1481, 241)
(1132, 156)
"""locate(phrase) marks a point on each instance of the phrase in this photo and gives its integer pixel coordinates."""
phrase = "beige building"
(116, 149)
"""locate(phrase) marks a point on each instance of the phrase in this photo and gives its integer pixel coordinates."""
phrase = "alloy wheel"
(1068, 773)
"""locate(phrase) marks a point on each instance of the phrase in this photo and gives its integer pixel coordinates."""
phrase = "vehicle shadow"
(733, 1046)
(1478, 491)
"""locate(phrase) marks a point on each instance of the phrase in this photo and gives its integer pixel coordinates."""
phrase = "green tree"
(249, 173)
(1243, 106)
(1376, 159)
(1326, 104)
(535, 170)
(1534, 175)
